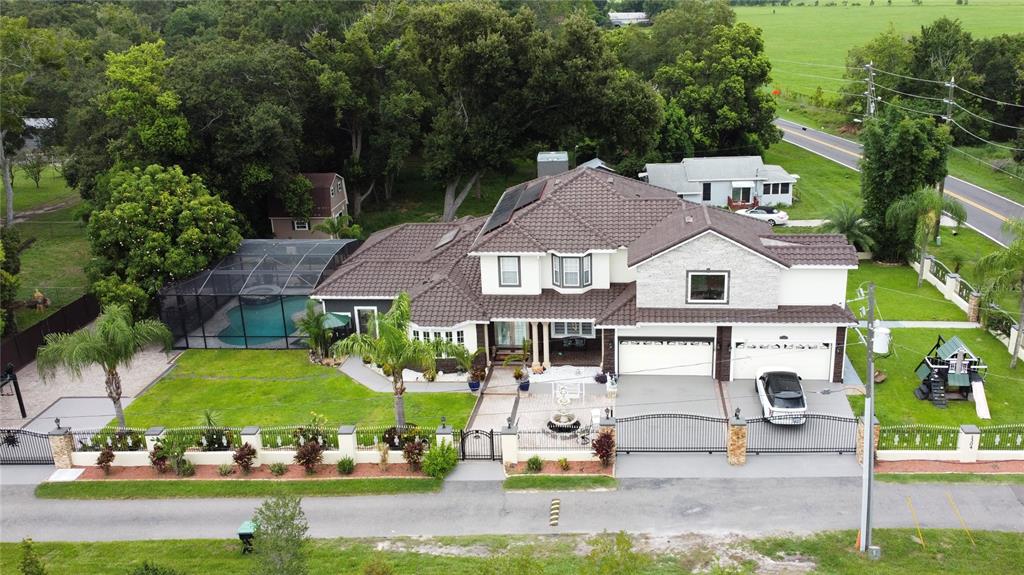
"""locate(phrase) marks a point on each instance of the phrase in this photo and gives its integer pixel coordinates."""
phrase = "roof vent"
(688, 219)
(557, 181)
(610, 180)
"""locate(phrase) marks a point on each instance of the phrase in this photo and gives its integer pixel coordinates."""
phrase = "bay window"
(571, 272)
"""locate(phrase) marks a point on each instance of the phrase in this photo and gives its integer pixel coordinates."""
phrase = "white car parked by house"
(770, 214)
(781, 395)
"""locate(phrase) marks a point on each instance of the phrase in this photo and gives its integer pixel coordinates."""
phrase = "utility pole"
(870, 110)
(941, 185)
(869, 432)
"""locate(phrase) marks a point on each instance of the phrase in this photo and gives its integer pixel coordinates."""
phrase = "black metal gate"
(478, 444)
(670, 433)
(21, 447)
(819, 433)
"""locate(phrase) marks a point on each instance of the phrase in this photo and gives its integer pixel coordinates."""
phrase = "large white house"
(734, 180)
(599, 269)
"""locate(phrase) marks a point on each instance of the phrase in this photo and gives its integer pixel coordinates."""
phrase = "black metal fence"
(1002, 437)
(671, 433)
(819, 433)
(478, 444)
(918, 437)
(118, 439)
(21, 348)
(206, 438)
(368, 437)
(22, 447)
(293, 436)
(544, 440)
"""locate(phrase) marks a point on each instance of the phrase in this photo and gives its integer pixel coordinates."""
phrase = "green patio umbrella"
(335, 320)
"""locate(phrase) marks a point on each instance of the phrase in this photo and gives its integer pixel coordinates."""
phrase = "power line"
(910, 95)
(910, 77)
(922, 112)
(983, 118)
(993, 166)
(816, 64)
(820, 76)
(1000, 102)
(954, 122)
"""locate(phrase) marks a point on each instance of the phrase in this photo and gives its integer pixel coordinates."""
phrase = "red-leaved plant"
(604, 447)
(244, 457)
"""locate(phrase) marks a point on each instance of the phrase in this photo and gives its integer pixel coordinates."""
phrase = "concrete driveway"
(640, 394)
(822, 397)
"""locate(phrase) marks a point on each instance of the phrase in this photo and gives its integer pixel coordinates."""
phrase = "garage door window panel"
(707, 287)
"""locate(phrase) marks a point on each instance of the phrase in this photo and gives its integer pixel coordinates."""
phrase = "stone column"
(533, 348)
(968, 442)
(546, 326)
(347, 441)
(875, 428)
(952, 285)
(509, 445)
(444, 434)
(974, 307)
(153, 435)
(251, 434)
(736, 446)
(62, 445)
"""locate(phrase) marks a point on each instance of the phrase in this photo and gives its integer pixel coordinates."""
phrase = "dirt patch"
(552, 468)
(294, 471)
(921, 466)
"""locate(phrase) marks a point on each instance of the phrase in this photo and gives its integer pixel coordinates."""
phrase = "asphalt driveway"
(822, 397)
(639, 394)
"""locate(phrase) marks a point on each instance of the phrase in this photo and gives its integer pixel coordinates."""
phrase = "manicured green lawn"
(54, 263)
(52, 189)
(560, 482)
(823, 183)
(277, 387)
(998, 478)
(897, 295)
(946, 551)
(966, 248)
(186, 488)
(895, 401)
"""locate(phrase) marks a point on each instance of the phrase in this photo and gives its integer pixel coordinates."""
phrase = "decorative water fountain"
(563, 421)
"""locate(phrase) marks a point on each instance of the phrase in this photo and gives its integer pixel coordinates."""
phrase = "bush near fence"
(367, 438)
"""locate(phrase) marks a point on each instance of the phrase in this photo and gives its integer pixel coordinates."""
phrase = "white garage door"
(810, 360)
(667, 356)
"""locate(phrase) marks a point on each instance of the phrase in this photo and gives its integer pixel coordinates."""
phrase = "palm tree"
(846, 219)
(340, 227)
(390, 346)
(1004, 270)
(110, 344)
(313, 325)
(921, 210)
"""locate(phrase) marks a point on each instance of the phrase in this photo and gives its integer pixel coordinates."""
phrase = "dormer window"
(571, 272)
(707, 287)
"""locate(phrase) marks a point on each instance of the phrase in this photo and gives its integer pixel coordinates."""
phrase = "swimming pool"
(263, 323)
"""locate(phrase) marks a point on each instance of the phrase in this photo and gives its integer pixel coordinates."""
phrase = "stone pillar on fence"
(62, 445)
(974, 307)
(876, 429)
(347, 441)
(251, 434)
(509, 445)
(968, 442)
(445, 434)
(736, 443)
(153, 435)
(952, 288)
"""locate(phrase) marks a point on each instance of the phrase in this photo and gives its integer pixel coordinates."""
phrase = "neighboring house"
(738, 181)
(598, 164)
(330, 199)
(599, 269)
(620, 19)
(35, 129)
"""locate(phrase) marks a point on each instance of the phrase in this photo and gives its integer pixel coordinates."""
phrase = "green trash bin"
(245, 533)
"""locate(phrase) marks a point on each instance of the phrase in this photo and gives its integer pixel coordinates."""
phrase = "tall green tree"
(889, 51)
(313, 325)
(281, 539)
(158, 226)
(110, 344)
(25, 53)
(922, 212)
(1004, 271)
(389, 344)
(846, 219)
(901, 156)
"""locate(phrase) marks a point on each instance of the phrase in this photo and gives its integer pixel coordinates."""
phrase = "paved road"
(745, 506)
(986, 211)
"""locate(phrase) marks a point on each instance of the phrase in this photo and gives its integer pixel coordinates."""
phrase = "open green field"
(823, 184)
(52, 190)
(896, 404)
(796, 36)
(945, 551)
(185, 488)
(897, 296)
(278, 387)
(54, 263)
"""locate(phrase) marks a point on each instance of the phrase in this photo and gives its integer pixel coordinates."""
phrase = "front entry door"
(510, 333)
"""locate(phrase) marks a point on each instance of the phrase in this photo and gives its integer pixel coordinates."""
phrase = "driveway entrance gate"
(478, 444)
(23, 447)
(819, 433)
(670, 433)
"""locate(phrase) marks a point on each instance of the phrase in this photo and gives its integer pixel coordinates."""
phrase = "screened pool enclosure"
(252, 298)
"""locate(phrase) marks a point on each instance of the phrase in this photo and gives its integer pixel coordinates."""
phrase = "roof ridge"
(628, 294)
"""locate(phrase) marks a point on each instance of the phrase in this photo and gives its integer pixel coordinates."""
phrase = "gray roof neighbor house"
(711, 180)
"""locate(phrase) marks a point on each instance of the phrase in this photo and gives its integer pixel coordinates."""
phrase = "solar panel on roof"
(530, 194)
(503, 211)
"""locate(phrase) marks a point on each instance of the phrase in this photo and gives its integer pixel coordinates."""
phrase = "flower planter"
(474, 386)
(524, 385)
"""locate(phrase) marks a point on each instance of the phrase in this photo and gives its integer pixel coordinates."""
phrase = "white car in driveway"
(770, 214)
(781, 395)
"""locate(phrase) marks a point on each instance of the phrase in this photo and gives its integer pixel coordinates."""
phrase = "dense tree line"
(921, 65)
(247, 94)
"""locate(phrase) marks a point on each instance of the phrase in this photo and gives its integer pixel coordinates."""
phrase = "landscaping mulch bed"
(295, 471)
(575, 468)
(921, 466)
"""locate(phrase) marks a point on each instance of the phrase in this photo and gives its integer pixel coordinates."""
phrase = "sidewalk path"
(656, 506)
(927, 324)
(354, 368)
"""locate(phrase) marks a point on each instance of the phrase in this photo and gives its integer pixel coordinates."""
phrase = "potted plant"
(521, 374)
(601, 378)
(476, 376)
(465, 361)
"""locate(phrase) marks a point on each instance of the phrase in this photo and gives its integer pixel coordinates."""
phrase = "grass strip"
(560, 482)
(997, 478)
(190, 488)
